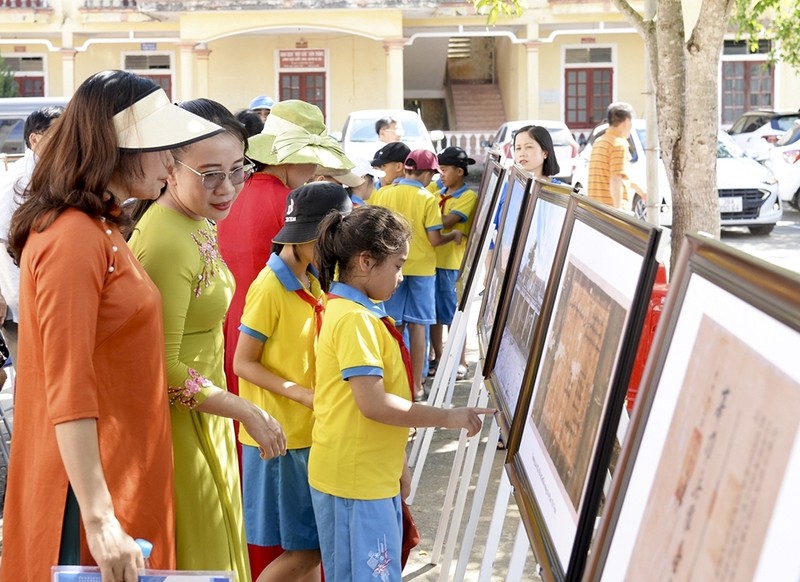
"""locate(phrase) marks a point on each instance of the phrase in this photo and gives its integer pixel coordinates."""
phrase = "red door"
(309, 87)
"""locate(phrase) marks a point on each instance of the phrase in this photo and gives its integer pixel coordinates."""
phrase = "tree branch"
(633, 17)
(708, 28)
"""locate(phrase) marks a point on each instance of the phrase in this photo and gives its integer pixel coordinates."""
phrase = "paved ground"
(430, 499)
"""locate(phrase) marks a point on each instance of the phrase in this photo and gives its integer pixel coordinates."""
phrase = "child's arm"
(438, 239)
(247, 365)
(451, 220)
(405, 480)
(374, 403)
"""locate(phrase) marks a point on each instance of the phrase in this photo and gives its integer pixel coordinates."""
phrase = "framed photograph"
(533, 260)
(482, 227)
(707, 481)
(576, 380)
(515, 203)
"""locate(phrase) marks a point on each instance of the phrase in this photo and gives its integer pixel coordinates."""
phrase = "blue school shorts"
(414, 301)
(446, 300)
(360, 540)
(277, 500)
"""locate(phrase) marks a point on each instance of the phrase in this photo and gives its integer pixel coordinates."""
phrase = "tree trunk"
(686, 81)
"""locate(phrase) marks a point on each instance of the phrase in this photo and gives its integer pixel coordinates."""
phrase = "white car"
(785, 164)
(565, 145)
(360, 140)
(748, 191)
(758, 130)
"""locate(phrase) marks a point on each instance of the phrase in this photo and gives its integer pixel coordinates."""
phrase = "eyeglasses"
(214, 179)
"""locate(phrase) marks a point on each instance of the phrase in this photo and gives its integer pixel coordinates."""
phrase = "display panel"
(482, 227)
(575, 383)
(534, 259)
(708, 478)
(515, 201)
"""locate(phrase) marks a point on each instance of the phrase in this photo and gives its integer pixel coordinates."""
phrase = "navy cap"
(392, 152)
(454, 156)
(307, 206)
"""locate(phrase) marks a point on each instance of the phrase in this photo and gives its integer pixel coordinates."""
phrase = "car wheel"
(761, 229)
(796, 199)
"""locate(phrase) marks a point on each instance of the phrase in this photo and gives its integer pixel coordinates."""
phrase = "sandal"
(432, 366)
(461, 372)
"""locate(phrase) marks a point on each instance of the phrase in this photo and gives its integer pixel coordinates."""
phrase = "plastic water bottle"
(147, 549)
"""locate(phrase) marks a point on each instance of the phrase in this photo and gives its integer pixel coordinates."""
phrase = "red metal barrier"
(654, 310)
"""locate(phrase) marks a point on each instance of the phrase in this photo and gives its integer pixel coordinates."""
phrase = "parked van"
(13, 113)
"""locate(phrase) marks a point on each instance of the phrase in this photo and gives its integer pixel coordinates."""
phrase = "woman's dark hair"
(79, 160)
(541, 136)
(215, 113)
(211, 111)
(371, 229)
(251, 120)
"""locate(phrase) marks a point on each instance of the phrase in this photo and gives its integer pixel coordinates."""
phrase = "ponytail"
(371, 229)
(325, 251)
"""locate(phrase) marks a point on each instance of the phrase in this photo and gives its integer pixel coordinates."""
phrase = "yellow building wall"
(628, 76)
(243, 45)
(787, 87)
(356, 74)
(509, 75)
(551, 83)
(100, 57)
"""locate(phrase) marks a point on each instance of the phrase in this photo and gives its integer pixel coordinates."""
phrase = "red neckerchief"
(389, 324)
(317, 304)
(443, 200)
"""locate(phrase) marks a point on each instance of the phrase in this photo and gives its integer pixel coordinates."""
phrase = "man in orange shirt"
(609, 178)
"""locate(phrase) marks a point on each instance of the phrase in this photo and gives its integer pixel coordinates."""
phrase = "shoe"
(432, 366)
(461, 372)
(420, 396)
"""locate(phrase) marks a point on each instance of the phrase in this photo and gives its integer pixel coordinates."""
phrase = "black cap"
(396, 151)
(455, 156)
(307, 206)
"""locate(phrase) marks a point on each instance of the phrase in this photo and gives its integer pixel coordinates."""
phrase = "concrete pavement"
(430, 499)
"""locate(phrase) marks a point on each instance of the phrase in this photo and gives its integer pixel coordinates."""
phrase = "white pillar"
(68, 71)
(394, 72)
(202, 53)
(186, 83)
(532, 80)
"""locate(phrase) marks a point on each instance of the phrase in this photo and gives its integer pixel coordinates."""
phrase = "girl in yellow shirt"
(363, 401)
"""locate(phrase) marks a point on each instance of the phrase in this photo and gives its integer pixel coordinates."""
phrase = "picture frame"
(485, 209)
(719, 405)
(495, 155)
(534, 259)
(575, 384)
(495, 295)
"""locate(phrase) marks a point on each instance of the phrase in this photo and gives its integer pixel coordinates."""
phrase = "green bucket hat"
(295, 133)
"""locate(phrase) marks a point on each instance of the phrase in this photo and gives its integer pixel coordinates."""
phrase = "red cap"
(421, 160)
